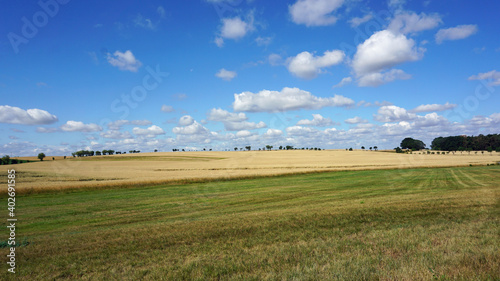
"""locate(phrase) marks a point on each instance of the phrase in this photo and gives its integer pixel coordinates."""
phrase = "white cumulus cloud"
(16, 115)
(234, 28)
(77, 126)
(244, 125)
(149, 132)
(306, 65)
(317, 120)
(285, 100)
(167, 108)
(493, 76)
(433, 107)
(116, 125)
(392, 113)
(314, 12)
(226, 74)
(356, 120)
(411, 22)
(194, 129)
(218, 114)
(455, 33)
(186, 120)
(272, 133)
(124, 61)
(382, 51)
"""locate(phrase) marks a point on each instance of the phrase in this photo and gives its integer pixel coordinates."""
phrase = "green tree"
(248, 147)
(409, 143)
(375, 147)
(5, 160)
(41, 156)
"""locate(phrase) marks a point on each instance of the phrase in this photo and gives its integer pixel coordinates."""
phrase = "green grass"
(415, 224)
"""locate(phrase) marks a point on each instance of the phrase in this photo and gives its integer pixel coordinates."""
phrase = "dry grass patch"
(156, 168)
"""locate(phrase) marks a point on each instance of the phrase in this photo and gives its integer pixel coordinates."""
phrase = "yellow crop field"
(164, 167)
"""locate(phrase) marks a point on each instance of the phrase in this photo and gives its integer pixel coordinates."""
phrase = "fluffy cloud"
(481, 121)
(317, 120)
(193, 129)
(306, 65)
(379, 78)
(118, 124)
(492, 75)
(149, 132)
(226, 74)
(275, 59)
(411, 22)
(167, 108)
(243, 134)
(455, 33)
(77, 126)
(16, 115)
(430, 120)
(382, 51)
(285, 100)
(186, 120)
(115, 134)
(272, 133)
(356, 120)
(218, 114)
(392, 113)
(433, 107)
(233, 121)
(314, 12)
(237, 126)
(301, 131)
(343, 82)
(234, 28)
(124, 61)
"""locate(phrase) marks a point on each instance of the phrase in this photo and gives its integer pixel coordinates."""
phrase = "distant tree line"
(86, 153)
(467, 143)
(6, 160)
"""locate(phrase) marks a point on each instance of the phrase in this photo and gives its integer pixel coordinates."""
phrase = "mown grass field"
(407, 224)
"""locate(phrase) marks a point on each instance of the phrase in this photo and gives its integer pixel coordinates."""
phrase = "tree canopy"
(413, 144)
(458, 143)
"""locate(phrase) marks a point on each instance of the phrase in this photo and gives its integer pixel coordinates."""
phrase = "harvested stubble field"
(399, 224)
(183, 167)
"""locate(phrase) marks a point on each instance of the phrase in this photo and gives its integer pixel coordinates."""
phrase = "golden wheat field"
(164, 167)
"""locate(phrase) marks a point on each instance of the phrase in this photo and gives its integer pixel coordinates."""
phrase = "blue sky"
(220, 74)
